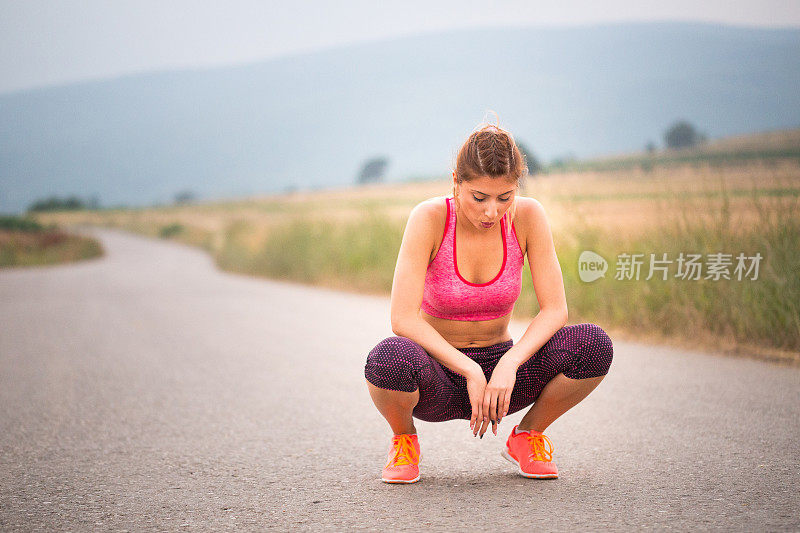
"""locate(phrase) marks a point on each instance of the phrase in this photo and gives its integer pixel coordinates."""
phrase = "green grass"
(765, 310)
(312, 247)
(170, 230)
(360, 255)
(24, 224)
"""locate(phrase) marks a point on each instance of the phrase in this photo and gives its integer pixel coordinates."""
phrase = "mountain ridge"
(311, 119)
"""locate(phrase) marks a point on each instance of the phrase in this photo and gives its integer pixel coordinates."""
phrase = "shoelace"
(404, 451)
(538, 450)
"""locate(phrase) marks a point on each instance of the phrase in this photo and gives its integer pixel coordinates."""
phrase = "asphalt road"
(147, 390)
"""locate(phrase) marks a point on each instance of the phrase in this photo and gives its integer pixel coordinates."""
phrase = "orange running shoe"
(403, 463)
(527, 450)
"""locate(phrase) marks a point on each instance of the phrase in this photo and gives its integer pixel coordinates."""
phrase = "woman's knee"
(595, 352)
(393, 362)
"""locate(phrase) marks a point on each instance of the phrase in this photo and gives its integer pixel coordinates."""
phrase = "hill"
(309, 121)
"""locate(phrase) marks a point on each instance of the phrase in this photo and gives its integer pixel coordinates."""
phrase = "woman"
(457, 277)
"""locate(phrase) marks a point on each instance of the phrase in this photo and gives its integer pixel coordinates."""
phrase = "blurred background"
(291, 141)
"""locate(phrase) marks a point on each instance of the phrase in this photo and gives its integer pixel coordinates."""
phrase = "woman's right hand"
(476, 385)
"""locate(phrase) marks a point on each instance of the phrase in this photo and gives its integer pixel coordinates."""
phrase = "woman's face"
(484, 200)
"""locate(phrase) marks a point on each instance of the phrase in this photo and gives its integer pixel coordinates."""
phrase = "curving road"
(147, 390)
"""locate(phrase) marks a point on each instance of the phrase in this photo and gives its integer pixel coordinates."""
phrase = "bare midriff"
(468, 334)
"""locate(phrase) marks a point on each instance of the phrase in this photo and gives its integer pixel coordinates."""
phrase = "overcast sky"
(46, 42)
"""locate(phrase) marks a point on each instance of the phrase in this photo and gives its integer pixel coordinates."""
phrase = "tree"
(647, 163)
(184, 197)
(681, 134)
(373, 170)
(534, 166)
(54, 203)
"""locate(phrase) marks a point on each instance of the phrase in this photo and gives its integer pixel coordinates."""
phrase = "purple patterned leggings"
(397, 363)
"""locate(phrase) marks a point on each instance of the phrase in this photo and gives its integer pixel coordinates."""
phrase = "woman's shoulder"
(529, 220)
(529, 211)
(432, 211)
(429, 218)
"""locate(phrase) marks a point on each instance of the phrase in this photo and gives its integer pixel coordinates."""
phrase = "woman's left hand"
(497, 395)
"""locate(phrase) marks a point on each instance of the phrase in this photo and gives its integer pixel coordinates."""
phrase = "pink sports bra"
(448, 295)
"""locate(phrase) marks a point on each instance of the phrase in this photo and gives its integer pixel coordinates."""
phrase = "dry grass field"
(348, 238)
(631, 202)
(46, 247)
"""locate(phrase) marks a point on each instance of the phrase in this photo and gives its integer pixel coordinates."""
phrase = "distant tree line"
(70, 203)
(75, 203)
(680, 134)
(373, 170)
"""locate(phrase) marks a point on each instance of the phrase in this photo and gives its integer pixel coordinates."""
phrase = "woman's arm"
(408, 286)
(548, 283)
(549, 286)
